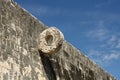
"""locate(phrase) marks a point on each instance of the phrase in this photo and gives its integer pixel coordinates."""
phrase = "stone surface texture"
(50, 40)
(20, 58)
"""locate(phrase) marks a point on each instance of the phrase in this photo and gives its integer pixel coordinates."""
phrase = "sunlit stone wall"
(20, 58)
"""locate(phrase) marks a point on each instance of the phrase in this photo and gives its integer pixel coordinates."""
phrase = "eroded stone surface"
(50, 40)
(21, 60)
(71, 64)
(19, 56)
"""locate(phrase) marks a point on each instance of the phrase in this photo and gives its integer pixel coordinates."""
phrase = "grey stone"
(21, 59)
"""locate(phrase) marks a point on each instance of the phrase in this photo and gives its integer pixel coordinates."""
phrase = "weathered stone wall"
(19, 56)
(21, 60)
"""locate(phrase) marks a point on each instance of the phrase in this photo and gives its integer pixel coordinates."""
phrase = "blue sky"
(92, 26)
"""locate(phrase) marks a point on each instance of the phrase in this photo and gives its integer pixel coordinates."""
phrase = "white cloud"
(104, 58)
(103, 4)
(99, 34)
(48, 11)
(106, 37)
(111, 42)
(94, 53)
(96, 56)
(118, 45)
(111, 56)
(43, 10)
(112, 39)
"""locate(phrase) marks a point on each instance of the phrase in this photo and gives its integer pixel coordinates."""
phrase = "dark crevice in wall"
(47, 66)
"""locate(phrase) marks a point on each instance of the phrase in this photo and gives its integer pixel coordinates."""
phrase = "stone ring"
(50, 40)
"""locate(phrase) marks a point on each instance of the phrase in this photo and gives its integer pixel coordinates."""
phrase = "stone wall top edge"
(67, 44)
(79, 55)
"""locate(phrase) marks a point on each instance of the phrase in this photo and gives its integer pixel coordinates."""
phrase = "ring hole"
(49, 39)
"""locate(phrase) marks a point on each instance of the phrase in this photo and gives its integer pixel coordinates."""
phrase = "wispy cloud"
(48, 11)
(43, 10)
(103, 4)
(108, 38)
(112, 39)
(104, 57)
(107, 51)
(94, 53)
(98, 34)
(113, 42)
(111, 56)
(118, 44)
